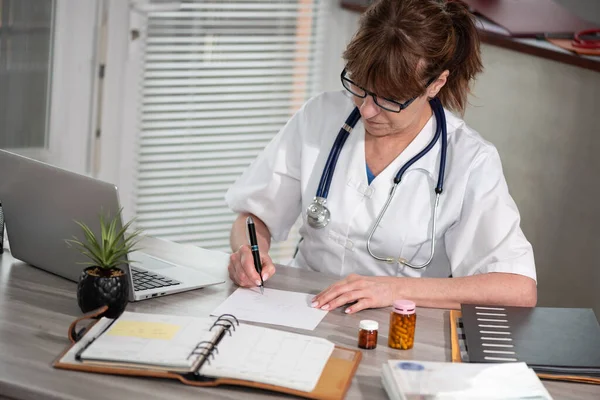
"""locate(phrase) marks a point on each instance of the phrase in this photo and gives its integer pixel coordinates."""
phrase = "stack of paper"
(405, 380)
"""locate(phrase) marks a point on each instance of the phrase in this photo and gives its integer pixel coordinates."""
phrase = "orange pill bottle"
(403, 320)
(367, 334)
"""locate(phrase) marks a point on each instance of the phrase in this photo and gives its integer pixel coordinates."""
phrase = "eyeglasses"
(386, 104)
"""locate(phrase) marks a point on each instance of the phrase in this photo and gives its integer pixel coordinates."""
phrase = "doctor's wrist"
(401, 289)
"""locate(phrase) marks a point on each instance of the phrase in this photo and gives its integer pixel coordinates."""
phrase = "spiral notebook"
(212, 351)
(148, 341)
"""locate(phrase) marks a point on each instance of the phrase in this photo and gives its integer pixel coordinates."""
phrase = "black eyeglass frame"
(402, 106)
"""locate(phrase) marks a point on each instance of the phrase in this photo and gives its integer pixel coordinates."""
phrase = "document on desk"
(276, 307)
(403, 379)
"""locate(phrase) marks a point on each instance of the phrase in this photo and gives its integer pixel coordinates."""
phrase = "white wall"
(542, 116)
(340, 27)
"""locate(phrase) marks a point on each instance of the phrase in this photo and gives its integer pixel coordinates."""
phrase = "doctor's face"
(380, 122)
(383, 116)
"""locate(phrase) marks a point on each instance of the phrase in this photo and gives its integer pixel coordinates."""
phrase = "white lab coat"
(478, 222)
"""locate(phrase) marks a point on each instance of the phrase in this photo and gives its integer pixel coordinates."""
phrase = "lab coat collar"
(358, 177)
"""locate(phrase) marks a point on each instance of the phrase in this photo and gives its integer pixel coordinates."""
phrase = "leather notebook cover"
(333, 384)
(458, 345)
(550, 340)
(528, 18)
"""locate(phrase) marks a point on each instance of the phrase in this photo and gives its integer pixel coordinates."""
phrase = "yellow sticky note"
(145, 330)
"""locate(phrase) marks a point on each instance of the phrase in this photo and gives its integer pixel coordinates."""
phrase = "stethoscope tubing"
(340, 140)
(441, 130)
(329, 169)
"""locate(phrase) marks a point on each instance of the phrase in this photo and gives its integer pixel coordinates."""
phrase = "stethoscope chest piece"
(317, 215)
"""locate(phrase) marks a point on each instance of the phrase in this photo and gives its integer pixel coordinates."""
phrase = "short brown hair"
(401, 44)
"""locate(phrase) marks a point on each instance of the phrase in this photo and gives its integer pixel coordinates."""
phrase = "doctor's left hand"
(366, 291)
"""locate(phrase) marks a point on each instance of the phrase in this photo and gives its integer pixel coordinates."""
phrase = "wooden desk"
(36, 308)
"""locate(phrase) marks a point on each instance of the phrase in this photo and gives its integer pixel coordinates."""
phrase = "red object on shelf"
(582, 43)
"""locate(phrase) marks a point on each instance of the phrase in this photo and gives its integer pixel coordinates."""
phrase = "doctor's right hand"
(242, 271)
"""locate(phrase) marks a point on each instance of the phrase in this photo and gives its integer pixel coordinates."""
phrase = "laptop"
(40, 204)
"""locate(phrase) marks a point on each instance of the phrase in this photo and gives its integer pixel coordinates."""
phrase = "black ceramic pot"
(98, 287)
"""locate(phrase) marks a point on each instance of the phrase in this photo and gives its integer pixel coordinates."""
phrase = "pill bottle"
(367, 334)
(403, 320)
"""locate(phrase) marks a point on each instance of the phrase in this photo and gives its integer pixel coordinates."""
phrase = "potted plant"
(104, 282)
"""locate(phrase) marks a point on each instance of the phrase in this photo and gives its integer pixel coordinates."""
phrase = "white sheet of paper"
(277, 307)
(443, 380)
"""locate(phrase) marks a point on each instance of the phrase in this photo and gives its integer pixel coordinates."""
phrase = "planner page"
(151, 339)
(270, 356)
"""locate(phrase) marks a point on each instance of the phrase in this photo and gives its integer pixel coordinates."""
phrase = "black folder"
(550, 340)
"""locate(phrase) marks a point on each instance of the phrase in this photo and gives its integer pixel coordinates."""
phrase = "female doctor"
(412, 203)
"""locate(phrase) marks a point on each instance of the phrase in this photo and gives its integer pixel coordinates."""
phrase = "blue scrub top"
(370, 175)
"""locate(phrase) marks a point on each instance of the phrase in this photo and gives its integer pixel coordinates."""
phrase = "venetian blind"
(220, 78)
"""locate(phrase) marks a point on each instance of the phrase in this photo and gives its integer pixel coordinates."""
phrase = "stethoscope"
(318, 215)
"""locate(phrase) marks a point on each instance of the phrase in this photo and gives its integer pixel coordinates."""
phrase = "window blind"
(219, 79)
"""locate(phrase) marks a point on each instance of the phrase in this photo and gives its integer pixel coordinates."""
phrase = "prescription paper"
(276, 307)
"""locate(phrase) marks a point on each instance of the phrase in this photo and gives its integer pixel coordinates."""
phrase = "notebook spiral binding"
(227, 321)
(207, 349)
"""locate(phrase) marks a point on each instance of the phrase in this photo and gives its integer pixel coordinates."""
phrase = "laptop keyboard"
(144, 280)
